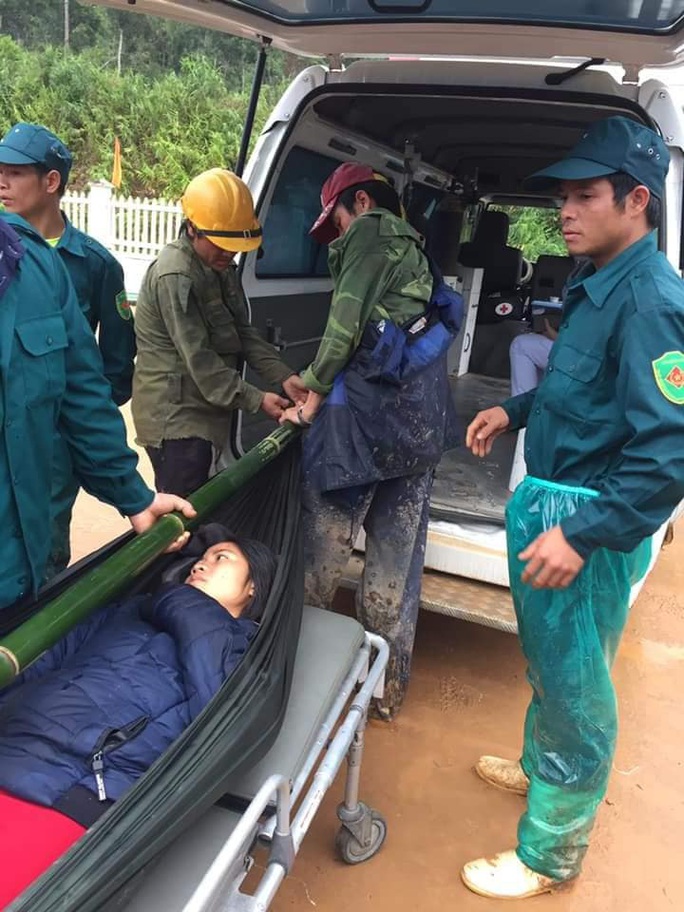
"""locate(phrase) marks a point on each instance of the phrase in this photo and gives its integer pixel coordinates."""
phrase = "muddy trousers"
(569, 638)
(394, 515)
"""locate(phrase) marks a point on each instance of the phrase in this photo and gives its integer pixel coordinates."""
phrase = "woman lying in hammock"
(92, 714)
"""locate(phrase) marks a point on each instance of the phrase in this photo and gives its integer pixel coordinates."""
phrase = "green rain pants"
(569, 638)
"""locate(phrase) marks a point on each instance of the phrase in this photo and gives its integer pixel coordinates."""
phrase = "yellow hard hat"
(221, 208)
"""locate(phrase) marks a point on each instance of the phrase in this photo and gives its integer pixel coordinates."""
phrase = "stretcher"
(256, 763)
(339, 668)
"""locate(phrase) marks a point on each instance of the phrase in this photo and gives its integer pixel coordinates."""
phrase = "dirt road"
(467, 697)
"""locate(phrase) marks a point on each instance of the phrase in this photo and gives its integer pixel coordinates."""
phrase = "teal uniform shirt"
(99, 282)
(51, 380)
(609, 413)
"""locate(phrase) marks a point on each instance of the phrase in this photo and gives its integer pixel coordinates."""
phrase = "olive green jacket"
(192, 329)
(379, 270)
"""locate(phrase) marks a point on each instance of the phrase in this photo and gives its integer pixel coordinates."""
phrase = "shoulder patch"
(123, 306)
(668, 370)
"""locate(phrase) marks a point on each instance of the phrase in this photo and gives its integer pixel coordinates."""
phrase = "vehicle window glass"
(638, 15)
(424, 201)
(534, 230)
(289, 250)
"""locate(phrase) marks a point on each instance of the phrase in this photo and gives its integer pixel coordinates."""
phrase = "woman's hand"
(295, 390)
(295, 415)
(303, 414)
(290, 415)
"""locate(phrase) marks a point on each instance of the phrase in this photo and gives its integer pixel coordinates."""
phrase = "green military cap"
(31, 144)
(611, 145)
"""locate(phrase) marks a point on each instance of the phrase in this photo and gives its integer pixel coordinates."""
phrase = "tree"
(534, 231)
(153, 46)
(176, 96)
(170, 126)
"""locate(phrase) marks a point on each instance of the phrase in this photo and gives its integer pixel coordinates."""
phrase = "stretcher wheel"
(351, 850)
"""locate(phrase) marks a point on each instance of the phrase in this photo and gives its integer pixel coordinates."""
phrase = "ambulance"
(455, 101)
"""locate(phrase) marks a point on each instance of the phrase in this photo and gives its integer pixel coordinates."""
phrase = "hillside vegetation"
(175, 96)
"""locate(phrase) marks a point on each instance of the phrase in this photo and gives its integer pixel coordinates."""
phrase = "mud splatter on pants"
(394, 515)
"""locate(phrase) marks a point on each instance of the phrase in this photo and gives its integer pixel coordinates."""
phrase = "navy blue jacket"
(371, 430)
(125, 682)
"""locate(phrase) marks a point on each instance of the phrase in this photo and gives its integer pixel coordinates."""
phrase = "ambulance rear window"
(289, 250)
(629, 15)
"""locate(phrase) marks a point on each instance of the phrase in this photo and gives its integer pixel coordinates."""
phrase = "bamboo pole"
(21, 647)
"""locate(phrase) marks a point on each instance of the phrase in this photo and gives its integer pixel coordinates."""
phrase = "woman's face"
(223, 573)
(342, 218)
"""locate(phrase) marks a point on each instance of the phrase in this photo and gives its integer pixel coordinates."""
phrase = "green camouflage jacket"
(379, 269)
(191, 327)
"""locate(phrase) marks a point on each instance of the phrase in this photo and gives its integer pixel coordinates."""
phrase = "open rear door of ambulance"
(635, 33)
(289, 287)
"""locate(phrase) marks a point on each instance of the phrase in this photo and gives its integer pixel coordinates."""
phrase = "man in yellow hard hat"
(192, 328)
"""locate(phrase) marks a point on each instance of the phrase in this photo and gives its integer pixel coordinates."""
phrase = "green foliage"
(534, 231)
(149, 46)
(171, 125)
(175, 96)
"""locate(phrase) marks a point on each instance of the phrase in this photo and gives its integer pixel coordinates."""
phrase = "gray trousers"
(529, 354)
(394, 515)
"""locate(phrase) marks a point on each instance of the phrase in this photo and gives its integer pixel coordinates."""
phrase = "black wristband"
(301, 419)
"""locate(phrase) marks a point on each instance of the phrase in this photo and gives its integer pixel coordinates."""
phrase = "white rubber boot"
(506, 877)
(503, 774)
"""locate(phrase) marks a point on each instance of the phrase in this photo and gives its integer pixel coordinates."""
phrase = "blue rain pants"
(569, 638)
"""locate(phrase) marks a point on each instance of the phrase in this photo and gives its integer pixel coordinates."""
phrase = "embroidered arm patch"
(668, 370)
(123, 306)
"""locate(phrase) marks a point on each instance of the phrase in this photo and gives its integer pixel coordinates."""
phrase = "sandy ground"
(467, 697)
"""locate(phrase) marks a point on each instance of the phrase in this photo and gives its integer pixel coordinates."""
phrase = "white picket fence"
(130, 225)
(135, 229)
(76, 207)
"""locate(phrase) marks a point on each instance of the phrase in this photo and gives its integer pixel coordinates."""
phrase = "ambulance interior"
(467, 151)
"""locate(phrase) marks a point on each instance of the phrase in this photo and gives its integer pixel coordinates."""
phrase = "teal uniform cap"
(611, 145)
(30, 144)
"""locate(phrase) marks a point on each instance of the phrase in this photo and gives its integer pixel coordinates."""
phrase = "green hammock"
(233, 731)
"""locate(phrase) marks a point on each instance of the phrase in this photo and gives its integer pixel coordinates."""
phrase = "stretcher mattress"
(328, 647)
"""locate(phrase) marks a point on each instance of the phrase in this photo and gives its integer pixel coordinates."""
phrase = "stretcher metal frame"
(285, 803)
(219, 889)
